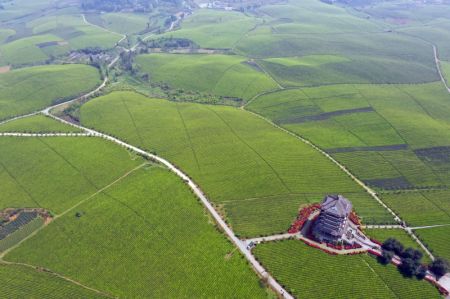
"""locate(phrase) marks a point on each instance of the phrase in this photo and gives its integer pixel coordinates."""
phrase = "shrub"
(386, 257)
(394, 245)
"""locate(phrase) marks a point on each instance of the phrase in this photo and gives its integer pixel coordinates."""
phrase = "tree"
(421, 272)
(394, 245)
(409, 267)
(386, 257)
(412, 253)
(439, 267)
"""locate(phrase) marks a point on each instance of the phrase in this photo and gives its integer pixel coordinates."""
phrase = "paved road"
(270, 238)
(384, 226)
(428, 226)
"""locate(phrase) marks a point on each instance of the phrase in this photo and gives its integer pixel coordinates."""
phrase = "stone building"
(333, 219)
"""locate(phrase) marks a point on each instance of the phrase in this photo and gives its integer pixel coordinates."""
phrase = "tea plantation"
(146, 236)
(296, 266)
(29, 89)
(223, 75)
(37, 124)
(236, 157)
(24, 282)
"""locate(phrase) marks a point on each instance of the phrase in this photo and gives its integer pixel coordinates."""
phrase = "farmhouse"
(333, 219)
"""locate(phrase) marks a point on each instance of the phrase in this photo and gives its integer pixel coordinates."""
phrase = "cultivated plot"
(145, 236)
(308, 272)
(236, 157)
(37, 124)
(215, 29)
(223, 75)
(29, 89)
(391, 136)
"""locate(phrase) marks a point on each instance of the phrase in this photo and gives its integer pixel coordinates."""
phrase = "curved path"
(438, 66)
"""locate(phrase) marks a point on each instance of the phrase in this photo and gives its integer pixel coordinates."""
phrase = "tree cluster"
(411, 260)
(129, 5)
(171, 43)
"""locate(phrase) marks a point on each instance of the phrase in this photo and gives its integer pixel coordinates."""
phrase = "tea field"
(234, 156)
(29, 89)
(20, 282)
(215, 28)
(56, 173)
(296, 266)
(437, 239)
(37, 124)
(421, 208)
(223, 75)
(146, 236)
(390, 136)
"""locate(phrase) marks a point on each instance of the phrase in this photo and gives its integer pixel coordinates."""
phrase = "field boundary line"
(132, 120)
(71, 165)
(101, 190)
(103, 28)
(380, 277)
(281, 87)
(253, 150)
(188, 135)
(68, 279)
(4, 253)
(19, 185)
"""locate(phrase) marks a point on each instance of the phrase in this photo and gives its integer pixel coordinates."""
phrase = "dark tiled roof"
(336, 205)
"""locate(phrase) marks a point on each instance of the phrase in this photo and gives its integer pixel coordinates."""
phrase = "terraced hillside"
(258, 174)
(29, 89)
